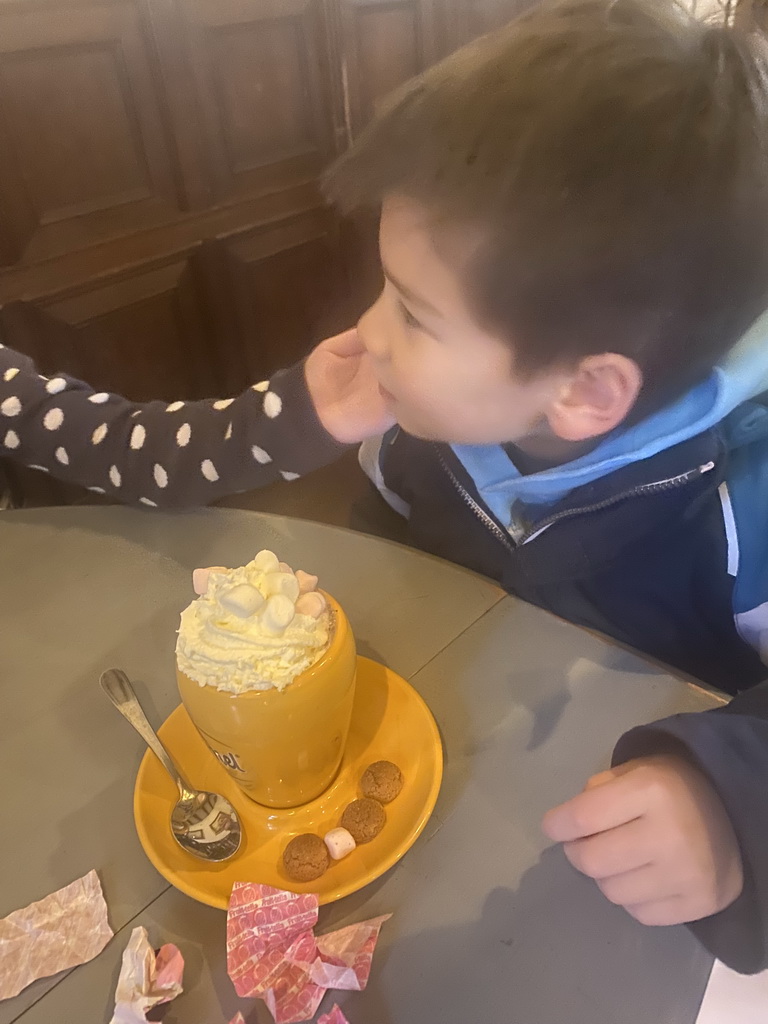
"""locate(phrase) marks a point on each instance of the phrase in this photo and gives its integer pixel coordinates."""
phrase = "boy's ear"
(597, 398)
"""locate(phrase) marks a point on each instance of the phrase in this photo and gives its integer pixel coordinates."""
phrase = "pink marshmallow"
(307, 582)
(313, 604)
(200, 578)
(284, 567)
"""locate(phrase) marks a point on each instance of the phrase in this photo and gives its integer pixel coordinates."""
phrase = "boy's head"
(574, 221)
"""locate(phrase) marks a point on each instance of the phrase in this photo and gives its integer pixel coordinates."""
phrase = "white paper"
(733, 998)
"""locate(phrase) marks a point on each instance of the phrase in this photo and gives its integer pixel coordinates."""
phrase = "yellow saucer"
(390, 722)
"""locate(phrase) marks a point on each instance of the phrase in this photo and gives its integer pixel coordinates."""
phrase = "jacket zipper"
(656, 487)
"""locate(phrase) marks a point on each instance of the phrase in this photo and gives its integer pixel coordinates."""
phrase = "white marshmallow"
(266, 561)
(282, 583)
(307, 582)
(284, 567)
(339, 843)
(242, 600)
(313, 604)
(200, 578)
(278, 614)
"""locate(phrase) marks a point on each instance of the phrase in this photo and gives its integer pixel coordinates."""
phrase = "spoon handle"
(117, 686)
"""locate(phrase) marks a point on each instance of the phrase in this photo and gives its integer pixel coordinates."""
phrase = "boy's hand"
(345, 391)
(655, 836)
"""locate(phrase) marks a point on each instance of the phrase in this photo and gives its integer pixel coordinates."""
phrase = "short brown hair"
(615, 153)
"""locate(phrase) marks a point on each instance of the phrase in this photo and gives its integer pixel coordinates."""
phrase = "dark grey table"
(490, 925)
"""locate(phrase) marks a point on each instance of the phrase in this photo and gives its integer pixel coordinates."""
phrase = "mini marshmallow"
(313, 604)
(282, 583)
(306, 581)
(278, 614)
(200, 578)
(266, 561)
(242, 600)
(284, 567)
(339, 843)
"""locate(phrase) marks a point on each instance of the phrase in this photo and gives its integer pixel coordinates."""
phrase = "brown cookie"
(382, 781)
(364, 819)
(306, 858)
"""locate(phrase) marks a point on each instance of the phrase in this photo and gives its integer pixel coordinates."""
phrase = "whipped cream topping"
(252, 628)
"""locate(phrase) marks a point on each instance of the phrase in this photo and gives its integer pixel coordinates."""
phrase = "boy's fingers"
(347, 343)
(607, 806)
(615, 852)
(633, 888)
(608, 775)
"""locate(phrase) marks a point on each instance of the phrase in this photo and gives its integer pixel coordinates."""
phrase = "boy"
(574, 232)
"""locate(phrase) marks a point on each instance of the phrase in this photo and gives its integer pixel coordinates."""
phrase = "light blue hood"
(741, 376)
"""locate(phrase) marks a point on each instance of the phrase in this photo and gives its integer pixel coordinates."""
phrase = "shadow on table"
(554, 951)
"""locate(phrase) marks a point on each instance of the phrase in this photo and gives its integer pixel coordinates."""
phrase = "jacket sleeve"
(730, 746)
(158, 454)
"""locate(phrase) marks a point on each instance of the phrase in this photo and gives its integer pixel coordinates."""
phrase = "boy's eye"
(408, 317)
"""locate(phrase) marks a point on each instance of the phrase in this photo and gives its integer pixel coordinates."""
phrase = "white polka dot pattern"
(174, 407)
(289, 476)
(99, 434)
(260, 455)
(10, 374)
(55, 385)
(138, 437)
(147, 501)
(114, 476)
(263, 385)
(273, 404)
(11, 439)
(223, 403)
(99, 398)
(62, 456)
(228, 434)
(43, 469)
(160, 475)
(209, 470)
(97, 490)
(53, 419)
(183, 435)
(10, 407)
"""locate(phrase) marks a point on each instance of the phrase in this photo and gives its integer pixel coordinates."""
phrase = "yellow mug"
(282, 747)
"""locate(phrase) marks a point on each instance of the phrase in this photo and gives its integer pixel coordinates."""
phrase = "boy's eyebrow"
(408, 294)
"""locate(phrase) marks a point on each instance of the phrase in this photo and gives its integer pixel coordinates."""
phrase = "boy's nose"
(372, 336)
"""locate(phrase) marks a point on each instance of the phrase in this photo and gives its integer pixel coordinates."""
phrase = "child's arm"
(190, 453)
(677, 832)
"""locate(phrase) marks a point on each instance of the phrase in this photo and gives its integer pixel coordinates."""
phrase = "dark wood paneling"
(384, 43)
(141, 334)
(83, 153)
(261, 70)
(279, 289)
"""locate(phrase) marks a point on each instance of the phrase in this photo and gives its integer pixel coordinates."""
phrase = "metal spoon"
(204, 824)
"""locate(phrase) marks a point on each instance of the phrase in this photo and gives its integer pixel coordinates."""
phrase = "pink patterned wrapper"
(146, 979)
(63, 930)
(272, 951)
(346, 955)
(262, 924)
(334, 1017)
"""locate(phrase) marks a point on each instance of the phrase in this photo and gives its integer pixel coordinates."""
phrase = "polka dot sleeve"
(177, 454)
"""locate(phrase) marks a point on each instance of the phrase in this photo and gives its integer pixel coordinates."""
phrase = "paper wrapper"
(61, 931)
(272, 951)
(346, 955)
(146, 979)
(334, 1017)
